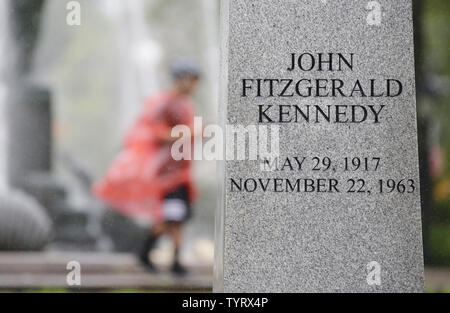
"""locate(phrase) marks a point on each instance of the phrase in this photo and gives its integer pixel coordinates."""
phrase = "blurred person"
(144, 180)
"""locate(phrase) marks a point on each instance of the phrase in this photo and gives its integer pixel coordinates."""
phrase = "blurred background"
(68, 94)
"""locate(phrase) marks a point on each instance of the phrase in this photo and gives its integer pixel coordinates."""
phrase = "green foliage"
(440, 243)
(436, 62)
(437, 36)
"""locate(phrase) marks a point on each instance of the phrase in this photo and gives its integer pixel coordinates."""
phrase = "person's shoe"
(178, 269)
(149, 266)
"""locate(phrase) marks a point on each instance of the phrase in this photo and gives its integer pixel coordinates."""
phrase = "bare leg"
(159, 229)
(176, 233)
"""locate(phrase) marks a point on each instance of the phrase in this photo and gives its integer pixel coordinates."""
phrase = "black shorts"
(176, 207)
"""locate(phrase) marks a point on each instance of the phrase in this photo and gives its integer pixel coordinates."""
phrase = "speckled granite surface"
(364, 235)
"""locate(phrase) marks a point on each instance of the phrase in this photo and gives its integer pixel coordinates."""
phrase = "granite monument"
(337, 207)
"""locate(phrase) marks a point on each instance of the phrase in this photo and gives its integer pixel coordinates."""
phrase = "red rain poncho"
(144, 172)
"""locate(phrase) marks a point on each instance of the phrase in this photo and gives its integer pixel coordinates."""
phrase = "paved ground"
(121, 272)
(99, 272)
(437, 279)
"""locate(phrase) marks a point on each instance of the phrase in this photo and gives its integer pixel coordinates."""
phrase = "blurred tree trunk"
(29, 112)
(26, 18)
